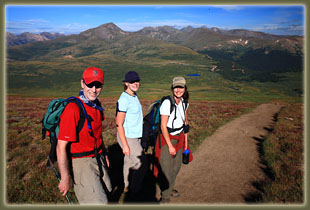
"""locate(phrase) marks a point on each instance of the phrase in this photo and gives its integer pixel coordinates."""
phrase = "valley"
(262, 65)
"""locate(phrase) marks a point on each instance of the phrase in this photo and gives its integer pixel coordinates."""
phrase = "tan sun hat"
(178, 81)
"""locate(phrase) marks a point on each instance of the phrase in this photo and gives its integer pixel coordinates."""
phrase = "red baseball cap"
(93, 74)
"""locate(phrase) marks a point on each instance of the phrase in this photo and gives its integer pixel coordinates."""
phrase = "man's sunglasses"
(96, 84)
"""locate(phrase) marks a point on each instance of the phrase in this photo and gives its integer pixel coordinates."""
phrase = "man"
(90, 176)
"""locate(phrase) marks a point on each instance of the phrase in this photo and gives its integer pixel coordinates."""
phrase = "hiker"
(129, 119)
(173, 139)
(89, 160)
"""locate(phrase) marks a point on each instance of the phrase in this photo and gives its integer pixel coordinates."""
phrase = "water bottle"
(185, 159)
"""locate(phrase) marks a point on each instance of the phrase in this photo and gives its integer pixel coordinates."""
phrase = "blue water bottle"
(185, 159)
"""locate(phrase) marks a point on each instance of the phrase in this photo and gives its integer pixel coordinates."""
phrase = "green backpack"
(51, 121)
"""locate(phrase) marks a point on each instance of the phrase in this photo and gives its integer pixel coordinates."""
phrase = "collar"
(96, 104)
(135, 94)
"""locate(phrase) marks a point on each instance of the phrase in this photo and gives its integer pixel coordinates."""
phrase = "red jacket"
(178, 146)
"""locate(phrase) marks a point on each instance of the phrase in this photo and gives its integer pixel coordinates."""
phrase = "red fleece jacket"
(178, 146)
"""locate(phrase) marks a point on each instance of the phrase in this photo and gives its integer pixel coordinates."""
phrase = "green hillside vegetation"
(272, 69)
(61, 78)
(55, 67)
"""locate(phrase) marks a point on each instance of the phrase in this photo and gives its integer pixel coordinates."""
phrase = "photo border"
(3, 3)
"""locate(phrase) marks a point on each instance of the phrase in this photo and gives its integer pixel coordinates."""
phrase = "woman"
(129, 122)
(173, 138)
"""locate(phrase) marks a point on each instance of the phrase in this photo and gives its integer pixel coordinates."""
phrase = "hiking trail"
(227, 164)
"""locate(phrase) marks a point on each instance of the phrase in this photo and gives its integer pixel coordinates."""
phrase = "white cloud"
(228, 7)
(40, 25)
(280, 29)
(139, 25)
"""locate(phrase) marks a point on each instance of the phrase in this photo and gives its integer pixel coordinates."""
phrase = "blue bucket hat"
(131, 76)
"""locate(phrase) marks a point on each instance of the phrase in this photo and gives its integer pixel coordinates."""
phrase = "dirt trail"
(227, 163)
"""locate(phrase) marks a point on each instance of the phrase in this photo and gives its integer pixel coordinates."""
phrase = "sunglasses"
(178, 87)
(96, 84)
(134, 81)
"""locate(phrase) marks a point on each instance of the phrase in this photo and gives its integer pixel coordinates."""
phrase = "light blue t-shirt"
(133, 123)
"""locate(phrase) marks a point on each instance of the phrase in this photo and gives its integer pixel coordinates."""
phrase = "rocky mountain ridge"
(212, 38)
(195, 38)
(27, 37)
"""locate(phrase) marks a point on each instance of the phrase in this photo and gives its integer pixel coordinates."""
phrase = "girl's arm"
(120, 118)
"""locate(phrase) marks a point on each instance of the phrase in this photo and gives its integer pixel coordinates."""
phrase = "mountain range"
(27, 37)
(215, 38)
(194, 38)
(236, 54)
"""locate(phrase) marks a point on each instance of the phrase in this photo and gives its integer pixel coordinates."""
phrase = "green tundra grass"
(32, 84)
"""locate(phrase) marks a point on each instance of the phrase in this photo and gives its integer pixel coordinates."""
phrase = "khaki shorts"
(132, 161)
(88, 185)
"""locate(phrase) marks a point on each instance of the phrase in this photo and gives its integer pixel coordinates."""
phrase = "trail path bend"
(227, 162)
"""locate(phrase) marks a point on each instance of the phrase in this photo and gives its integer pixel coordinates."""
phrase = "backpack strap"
(173, 106)
(83, 154)
(82, 114)
(81, 107)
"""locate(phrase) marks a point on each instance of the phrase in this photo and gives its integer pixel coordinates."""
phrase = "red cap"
(93, 74)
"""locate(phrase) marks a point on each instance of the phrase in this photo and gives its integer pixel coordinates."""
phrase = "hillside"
(223, 59)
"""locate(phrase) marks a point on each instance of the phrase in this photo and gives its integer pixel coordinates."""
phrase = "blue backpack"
(152, 122)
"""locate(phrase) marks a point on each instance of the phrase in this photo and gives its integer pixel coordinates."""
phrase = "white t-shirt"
(180, 115)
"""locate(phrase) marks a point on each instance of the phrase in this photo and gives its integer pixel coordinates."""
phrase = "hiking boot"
(174, 193)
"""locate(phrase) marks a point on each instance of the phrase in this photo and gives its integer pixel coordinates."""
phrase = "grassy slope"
(214, 101)
(60, 78)
(284, 153)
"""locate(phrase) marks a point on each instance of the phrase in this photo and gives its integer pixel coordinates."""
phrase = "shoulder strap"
(172, 102)
(81, 107)
(172, 107)
(82, 114)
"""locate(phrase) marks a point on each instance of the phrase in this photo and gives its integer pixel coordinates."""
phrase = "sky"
(70, 19)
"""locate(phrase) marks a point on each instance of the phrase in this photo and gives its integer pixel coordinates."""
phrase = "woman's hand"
(126, 150)
(172, 150)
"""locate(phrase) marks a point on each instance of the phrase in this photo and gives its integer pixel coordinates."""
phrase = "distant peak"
(109, 25)
(105, 31)
(215, 29)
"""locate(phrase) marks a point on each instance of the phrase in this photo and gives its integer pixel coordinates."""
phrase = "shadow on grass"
(257, 196)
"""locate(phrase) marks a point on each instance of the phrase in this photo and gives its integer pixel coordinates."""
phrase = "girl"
(129, 122)
(173, 137)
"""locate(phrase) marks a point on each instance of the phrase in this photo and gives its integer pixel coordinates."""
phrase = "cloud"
(174, 23)
(292, 29)
(229, 7)
(31, 25)
(40, 25)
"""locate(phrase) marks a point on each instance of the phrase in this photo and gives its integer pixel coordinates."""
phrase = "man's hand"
(63, 185)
